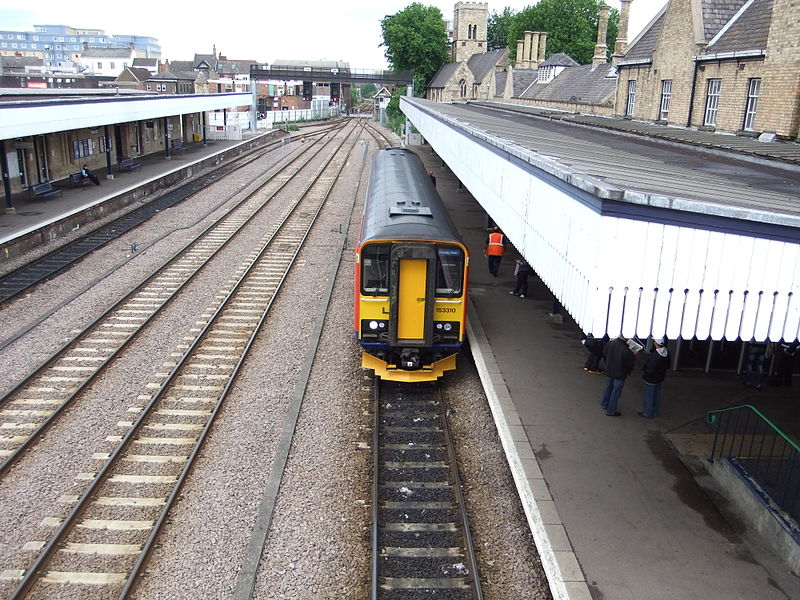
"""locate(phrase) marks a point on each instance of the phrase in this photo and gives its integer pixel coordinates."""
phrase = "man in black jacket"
(619, 364)
(653, 374)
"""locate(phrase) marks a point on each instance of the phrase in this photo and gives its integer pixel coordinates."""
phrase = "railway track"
(108, 535)
(35, 403)
(17, 281)
(421, 544)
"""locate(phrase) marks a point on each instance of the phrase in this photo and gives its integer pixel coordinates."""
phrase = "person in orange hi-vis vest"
(495, 247)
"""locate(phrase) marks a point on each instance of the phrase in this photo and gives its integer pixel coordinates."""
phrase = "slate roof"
(209, 59)
(234, 66)
(523, 78)
(583, 83)
(443, 75)
(559, 59)
(107, 53)
(643, 46)
(716, 13)
(145, 62)
(138, 74)
(180, 65)
(482, 64)
(174, 76)
(500, 79)
(749, 32)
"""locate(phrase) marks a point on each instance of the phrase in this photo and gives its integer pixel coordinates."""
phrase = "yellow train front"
(411, 274)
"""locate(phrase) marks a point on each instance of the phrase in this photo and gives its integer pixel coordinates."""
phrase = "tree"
(416, 41)
(571, 27)
(499, 28)
(368, 90)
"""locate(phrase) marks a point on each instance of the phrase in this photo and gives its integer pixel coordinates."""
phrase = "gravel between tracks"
(318, 545)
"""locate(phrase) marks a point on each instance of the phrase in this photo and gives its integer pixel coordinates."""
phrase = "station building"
(47, 135)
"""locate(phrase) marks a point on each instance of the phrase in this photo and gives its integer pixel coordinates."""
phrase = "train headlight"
(439, 326)
(373, 325)
(447, 326)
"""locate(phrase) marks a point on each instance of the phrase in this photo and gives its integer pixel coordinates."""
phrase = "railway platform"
(33, 213)
(623, 515)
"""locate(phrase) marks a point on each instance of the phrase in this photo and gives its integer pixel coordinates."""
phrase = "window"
(112, 64)
(36, 38)
(631, 103)
(463, 88)
(752, 104)
(148, 87)
(712, 102)
(99, 65)
(375, 269)
(449, 271)
(666, 96)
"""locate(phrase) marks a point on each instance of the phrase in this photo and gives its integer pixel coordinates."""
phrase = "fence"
(751, 442)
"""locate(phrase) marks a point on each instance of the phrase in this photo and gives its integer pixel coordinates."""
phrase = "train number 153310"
(445, 309)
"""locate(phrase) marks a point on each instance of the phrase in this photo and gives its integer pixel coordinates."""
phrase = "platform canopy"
(41, 115)
(632, 237)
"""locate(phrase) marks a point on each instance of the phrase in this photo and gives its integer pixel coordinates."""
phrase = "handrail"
(712, 416)
(755, 445)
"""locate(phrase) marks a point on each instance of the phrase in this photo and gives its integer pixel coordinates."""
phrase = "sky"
(346, 30)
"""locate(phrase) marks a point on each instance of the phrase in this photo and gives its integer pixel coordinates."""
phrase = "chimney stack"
(600, 49)
(542, 46)
(520, 55)
(535, 37)
(526, 50)
(622, 35)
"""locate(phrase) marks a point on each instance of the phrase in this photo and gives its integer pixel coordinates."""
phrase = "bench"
(178, 146)
(45, 190)
(79, 180)
(128, 164)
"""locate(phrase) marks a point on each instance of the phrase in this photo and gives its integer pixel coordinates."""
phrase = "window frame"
(630, 102)
(713, 93)
(751, 106)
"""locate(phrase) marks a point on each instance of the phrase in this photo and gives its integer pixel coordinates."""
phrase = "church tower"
(470, 25)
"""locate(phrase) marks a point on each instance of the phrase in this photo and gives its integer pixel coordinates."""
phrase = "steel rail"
(42, 268)
(32, 573)
(82, 336)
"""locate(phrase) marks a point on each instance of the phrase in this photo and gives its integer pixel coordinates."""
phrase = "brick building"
(719, 65)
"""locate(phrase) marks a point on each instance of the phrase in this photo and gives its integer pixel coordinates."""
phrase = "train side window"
(375, 269)
(449, 271)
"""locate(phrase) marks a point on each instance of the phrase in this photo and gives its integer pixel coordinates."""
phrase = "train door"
(410, 294)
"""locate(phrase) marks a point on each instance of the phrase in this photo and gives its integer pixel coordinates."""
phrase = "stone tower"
(470, 25)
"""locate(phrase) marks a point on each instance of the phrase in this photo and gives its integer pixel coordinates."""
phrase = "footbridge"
(631, 236)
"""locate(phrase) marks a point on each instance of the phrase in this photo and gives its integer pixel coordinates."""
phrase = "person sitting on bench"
(87, 174)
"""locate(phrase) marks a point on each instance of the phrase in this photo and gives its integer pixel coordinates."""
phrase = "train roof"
(402, 202)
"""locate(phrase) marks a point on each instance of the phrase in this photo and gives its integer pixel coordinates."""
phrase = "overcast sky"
(347, 30)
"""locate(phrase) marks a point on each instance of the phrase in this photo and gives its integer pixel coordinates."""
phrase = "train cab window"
(449, 271)
(375, 270)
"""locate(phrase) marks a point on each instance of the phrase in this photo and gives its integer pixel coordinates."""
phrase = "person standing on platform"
(653, 375)
(521, 271)
(495, 247)
(754, 370)
(784, 363)
(619, 355)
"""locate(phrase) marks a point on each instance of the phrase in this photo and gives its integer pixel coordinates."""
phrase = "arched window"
(463, 85)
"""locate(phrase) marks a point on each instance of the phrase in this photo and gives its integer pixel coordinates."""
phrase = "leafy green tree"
(571, 27)
(416, 41)
(499, 28)
(397, 119)
(368, 90)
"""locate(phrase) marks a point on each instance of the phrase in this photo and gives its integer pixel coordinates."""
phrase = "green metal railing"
(746, 437)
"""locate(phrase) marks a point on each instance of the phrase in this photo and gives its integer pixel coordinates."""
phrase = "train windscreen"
(449, 271)
(375, 270)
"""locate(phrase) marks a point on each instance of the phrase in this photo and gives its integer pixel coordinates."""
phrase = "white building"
(106, 62)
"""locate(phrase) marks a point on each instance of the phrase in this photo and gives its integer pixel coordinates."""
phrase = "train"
(411, 274)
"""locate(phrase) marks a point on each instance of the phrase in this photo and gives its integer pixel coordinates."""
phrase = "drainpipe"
(691, 93)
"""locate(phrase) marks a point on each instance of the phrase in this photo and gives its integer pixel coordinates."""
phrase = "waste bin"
(197, 137)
